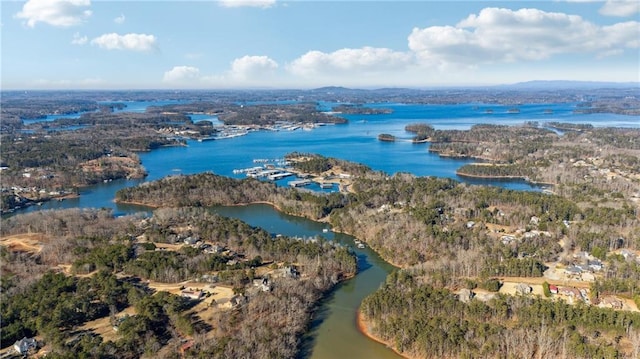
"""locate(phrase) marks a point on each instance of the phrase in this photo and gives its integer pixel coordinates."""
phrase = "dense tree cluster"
(205, 189)
(117, 256)
(360, 109)
(427, 322)
(495, 171)
(272, 114)
(56, 303)
(386, 137)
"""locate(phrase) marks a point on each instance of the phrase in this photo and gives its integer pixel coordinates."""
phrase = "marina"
(224, 135)
(300, 183)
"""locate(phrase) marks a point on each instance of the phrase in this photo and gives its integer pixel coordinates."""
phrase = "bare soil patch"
(25, 242)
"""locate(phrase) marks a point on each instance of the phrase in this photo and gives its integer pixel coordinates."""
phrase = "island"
(385, 137)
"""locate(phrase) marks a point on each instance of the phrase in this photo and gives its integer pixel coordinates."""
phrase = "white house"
(23, 345)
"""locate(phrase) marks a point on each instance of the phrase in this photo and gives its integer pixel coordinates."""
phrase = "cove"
(333, 332)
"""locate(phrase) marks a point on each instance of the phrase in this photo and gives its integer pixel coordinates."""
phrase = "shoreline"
(362, 325)
(524, 178)
(276, 207)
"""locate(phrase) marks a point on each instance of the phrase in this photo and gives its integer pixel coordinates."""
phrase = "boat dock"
(277, 176)
(271, 173)
(300, 183)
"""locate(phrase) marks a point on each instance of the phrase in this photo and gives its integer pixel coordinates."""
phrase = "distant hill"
(336, 90)
(562, 84)
(528, 85)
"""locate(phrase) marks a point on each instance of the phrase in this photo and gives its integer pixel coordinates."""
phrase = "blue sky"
(84, 44)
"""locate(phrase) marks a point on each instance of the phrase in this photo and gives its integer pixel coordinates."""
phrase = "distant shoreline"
(524, 178)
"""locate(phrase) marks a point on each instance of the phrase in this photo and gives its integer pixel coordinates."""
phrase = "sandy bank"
(364, 327)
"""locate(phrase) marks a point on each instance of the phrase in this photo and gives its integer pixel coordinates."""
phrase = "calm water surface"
(333, 331)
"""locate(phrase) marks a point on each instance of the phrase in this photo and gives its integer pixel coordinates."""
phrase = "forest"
(271, 114)
(113, 260)
(423, 321)
(51, 160)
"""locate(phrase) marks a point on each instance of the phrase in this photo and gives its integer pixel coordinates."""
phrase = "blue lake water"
(355, 141)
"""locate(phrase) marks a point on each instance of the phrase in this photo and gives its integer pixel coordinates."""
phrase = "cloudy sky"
(85, 44)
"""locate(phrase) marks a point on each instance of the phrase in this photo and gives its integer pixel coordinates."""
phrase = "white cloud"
(62, 13)
(353, 61)
(247, 70)
(182, 74)
(120, 19)
(252, 67)
(622, 8)
(133, 42)
(79, 40)
(503, 35)
(247, 3)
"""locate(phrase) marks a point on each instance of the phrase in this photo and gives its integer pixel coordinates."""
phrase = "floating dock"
(277, 176)
(299, 183)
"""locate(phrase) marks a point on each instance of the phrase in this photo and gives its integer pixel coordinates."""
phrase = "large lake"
(334, 333)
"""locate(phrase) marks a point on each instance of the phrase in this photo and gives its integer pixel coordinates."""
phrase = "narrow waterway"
(334, 333)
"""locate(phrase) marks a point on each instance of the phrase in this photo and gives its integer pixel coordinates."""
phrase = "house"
(573, 271)
(213, 249)
(263, 284)
(191, 241)
(507, 239)
(25, 344)
(237, 300)
(627, 254)
(553, 289)
(119, 321)
(192, 294)
(611, 302)
(595, 265)
(465, 295)
(471, 224)
(571, 292)
(290, 271)
(523, 288)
